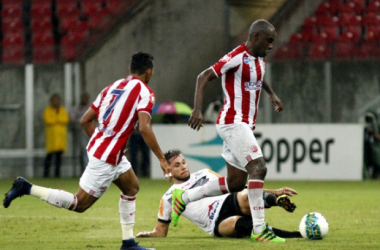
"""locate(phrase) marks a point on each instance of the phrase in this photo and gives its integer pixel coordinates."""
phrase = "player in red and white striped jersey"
(242, 75)
(117, 110)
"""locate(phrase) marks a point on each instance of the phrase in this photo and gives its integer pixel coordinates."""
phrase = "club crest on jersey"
(248, 86)
(247, 60)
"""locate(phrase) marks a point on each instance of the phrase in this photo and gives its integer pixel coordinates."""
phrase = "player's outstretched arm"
(196, 118)
(150, 140)
(160, 230)
(273, 97)
(285, 190)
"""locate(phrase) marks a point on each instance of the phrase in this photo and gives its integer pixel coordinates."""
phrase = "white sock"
(55, 197)
(39, 192)
(127, 210)
(256, 204)
(211, 188)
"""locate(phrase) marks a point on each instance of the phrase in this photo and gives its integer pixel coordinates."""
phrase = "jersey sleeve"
(165, 209)
(96, 104)
(147, 101)
(227, 62)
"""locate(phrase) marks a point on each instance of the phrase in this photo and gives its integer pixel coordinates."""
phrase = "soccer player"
(117, 109)
(242, 72)
(226, 215)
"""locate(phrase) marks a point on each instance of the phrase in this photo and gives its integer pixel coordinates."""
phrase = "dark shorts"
(229, 208)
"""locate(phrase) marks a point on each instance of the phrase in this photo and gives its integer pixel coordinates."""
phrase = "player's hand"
(196, 119)
(143, 235)
(165, 169)
(285, 190)
(277, 103)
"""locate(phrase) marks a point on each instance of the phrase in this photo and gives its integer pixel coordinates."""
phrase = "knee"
(132, 190)
(235, 184)
(257, 169)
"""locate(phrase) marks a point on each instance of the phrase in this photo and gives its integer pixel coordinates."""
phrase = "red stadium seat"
(66, 10)
(13, 39)
(372, 33)
(327, 21)
(43, 39)
(332, 32)
(41, 25)
(296, 37)
(319, 51)
(371, 18)
(373, 7)
(352, 7)
(367, 50)
(41, 10)
(13, 55)
(68, 53)
(73, 37)
(344, 50)
(355, 30)
(12, 2)
(73, 24)
(349, 18)
(293, 50)
(326, 8)
(11, 11)
(43, 54)
(50, 2)
(349, 37)
(12, 25)
(90, 8)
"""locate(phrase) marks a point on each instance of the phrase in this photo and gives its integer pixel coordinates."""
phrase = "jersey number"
(117, 93)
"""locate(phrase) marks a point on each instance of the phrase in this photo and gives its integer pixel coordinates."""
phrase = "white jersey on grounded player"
(242, 80)
(117, 108)
(203, 212)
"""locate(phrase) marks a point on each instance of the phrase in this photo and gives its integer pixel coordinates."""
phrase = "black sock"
(286, 234)
(269, 200)
(244, 226)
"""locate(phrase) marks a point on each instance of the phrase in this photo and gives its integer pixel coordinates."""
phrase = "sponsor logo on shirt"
(249, 86)
(200, 182)
(247, 60)
(106, 131)
(212, 209)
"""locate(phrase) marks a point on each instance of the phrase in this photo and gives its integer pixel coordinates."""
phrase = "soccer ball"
(314, 226)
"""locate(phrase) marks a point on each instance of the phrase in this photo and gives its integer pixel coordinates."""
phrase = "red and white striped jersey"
(117, 108)
(242, 79)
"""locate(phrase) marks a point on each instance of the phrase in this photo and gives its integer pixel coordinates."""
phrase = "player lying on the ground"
(225, 215)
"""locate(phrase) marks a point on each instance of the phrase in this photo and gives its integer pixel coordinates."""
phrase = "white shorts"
(99, 175)
(239, 144)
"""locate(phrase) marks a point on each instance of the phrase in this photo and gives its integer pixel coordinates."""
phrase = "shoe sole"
(284, 202)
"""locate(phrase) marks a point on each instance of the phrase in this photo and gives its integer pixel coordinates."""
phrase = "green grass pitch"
(352, 209)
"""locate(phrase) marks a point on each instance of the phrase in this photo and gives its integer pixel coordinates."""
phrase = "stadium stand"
(50, 31)
(338, 29)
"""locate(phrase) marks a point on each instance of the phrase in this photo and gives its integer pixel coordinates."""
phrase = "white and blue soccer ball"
(314, 226)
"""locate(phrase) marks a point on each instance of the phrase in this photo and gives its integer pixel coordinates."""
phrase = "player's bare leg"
(129, 186)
